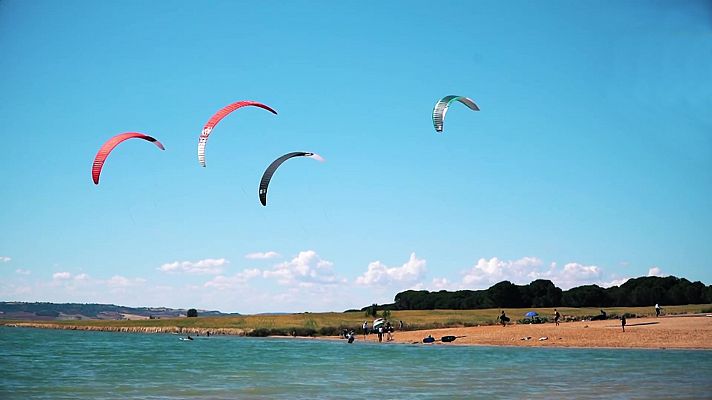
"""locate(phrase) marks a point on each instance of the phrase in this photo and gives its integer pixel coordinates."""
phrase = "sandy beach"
(684, 332)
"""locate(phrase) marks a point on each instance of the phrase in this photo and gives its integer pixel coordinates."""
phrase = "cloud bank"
(208, 266)
(306, 282)
(262, 256)
(222, 282)
(379, 274)
(486, 273)
(306, 269)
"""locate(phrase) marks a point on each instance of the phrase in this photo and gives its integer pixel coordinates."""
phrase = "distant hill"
(76, 311)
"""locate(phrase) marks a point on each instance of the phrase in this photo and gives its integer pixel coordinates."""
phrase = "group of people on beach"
(603, 316)
(503, 318)
(386, 329)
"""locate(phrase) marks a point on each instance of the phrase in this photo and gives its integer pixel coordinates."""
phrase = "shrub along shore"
(332, 324)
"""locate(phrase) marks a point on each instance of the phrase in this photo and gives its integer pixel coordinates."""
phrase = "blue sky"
(590, 162)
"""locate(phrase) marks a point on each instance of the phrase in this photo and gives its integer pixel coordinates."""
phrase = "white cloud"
(61, 276)
(441, 284)
(262, 256)
(231, 282)
(575, 274)
(211, 266)
(81, 277)
(525, 270)
(5, 259)
(306, 269)
(487, 272)
(380, 274)
(21, 271)
(655, 271)
(614, 282)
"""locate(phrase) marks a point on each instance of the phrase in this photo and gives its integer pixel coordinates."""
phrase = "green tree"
(505, 294)
(192, 313)
(541, 293)
(585, 296)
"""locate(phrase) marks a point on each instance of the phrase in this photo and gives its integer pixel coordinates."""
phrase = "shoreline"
(690, 332)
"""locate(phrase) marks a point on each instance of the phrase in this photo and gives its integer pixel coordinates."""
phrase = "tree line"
(637, 292)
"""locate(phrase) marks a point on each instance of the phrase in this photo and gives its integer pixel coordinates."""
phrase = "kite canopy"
(107, 147)
(217, 117)
(267, 176)
(441, 108)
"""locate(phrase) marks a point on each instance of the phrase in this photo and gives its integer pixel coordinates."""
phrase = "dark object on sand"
(448, 338)
(429, 339)
(600, 317)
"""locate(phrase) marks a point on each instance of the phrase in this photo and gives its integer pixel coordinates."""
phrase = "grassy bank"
(311, 324)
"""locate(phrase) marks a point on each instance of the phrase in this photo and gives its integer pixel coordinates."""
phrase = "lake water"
(55, 364)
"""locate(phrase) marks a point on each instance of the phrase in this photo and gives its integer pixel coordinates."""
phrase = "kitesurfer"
(503, 319)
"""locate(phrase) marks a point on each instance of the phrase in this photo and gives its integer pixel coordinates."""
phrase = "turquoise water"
(51, 364)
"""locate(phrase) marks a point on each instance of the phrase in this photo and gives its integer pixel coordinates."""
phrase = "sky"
(590, 161)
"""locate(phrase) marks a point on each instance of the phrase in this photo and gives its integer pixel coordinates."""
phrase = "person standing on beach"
(657, 310)
(365, 329)
(623, 322)
(557, 316)
(503, 319)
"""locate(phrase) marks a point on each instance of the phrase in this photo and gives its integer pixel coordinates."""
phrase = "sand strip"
(692, 332)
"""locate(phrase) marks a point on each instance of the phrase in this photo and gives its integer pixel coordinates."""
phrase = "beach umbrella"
(531, 314)
(378, 322)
